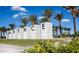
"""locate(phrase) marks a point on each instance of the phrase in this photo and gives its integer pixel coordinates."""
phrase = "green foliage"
(49, 46)
(61, 49)
(43, 47)
(12, 26)
(24, 21)
(33, 19)
(76, 34)
(65, 34)
(72, 47)
(47, 13)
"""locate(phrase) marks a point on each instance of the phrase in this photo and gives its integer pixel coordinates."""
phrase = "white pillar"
(14, 34)
(20, 33)
(27, 33)
(46, 30)
(7, 34)
(10, 34)
(35, 32)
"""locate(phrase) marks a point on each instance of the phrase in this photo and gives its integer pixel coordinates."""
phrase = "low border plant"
(48, 46)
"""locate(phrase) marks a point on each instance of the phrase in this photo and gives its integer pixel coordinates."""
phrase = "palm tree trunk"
(60, 27)
(3, 34)
(53, 33)
(56, 32)
(74, 19)
(48, 19)
(0, 34)
(68, 33)
(33, 22)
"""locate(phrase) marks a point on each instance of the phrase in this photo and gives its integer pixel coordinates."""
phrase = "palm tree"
(12, 26)
(54, 30)
(24, 21)
(68, 29)
(7, 29)
(47, 13)
(33, 19)
(59, 18)
(65, 29)
(43, 20)
(2, 30)
(75, 14)
(62, 28)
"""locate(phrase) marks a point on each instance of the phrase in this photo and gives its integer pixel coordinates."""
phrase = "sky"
(12, 14)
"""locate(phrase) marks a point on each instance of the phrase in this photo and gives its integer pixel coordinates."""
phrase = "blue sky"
(12, 14)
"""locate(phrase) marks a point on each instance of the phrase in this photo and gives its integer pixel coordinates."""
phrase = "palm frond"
(33, 19)
(24, 21)
(47, 13)
(59, 17)
(12, 26)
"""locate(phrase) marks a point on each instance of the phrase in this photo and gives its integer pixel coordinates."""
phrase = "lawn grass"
(22, 42)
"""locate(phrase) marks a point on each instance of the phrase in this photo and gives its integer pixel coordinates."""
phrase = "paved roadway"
(4, 48)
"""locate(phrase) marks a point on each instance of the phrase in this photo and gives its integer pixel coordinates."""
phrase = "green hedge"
(49, 46)
(43, 47)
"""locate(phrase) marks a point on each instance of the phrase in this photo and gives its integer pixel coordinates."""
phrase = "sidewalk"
(5, 48)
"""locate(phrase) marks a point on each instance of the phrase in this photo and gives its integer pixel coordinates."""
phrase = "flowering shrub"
(48, 46)
(43, 47)
(72, 47)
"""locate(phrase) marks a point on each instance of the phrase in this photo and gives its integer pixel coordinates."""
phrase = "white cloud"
(15, 15)
(68, 11)
(40, 17)
(19, 14)
(66, 20)
(22, 13)
(18, 8)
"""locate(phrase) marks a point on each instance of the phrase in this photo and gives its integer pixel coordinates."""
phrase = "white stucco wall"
(46, 30)
(15, 33)
(27, 33)
(19, 33)
(35, 32)
(7, 35)
(10, 35)
(42, 31)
